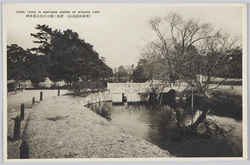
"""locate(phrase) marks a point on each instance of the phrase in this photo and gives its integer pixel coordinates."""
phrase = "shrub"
(226, 104)
(85, 87)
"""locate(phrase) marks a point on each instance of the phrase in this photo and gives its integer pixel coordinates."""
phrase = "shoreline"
(59, 130)
(60, 110)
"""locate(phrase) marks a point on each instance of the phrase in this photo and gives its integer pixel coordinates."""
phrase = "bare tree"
(185, 50)
(129, 69)
(152, 65)
(188, 49)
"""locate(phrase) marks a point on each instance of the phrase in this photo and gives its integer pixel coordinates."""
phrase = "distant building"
(27, 84)
(14, 85)
(47, 83)
(60, 83)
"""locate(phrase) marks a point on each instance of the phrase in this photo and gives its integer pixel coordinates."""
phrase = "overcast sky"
(119, 31)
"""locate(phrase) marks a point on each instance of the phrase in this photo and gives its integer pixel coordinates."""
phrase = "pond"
(160, 125)
(145, 120)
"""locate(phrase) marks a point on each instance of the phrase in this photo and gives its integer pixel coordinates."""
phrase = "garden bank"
(61, 127)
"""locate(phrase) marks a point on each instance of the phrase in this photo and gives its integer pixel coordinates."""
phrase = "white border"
(244, 95)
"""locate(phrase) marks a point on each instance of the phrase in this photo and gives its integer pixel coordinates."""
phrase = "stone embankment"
(62, 127)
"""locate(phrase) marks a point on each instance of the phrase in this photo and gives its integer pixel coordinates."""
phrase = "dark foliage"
(84, 87)
(232, 65)
(139, 74)
(23, 65)
(70, 56)
(59, 56)
(226, 104)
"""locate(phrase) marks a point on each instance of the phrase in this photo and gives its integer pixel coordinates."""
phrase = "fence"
(90, 99)
(96, 98)
(144, 87)
(18, 119)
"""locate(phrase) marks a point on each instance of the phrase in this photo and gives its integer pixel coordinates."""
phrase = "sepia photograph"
(124, 81)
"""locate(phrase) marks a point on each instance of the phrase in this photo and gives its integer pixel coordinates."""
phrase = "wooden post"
(17, 128)
(184, 99)
(192, 105)
(171, 85)
(33, 101)
(41, 96)
(22, 111)
(123, 97)
(58, 92)
(126, 105)
(161, 96)
(177, 99)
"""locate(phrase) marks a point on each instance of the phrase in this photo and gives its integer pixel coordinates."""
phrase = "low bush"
(226, 104)
(82, 87)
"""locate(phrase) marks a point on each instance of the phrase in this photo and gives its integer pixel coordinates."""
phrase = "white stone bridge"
(135, 92)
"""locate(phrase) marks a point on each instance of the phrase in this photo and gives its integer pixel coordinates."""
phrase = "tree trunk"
(196, 126)
(161, 95)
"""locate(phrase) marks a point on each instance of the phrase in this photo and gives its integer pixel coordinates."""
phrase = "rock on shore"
(61, 127)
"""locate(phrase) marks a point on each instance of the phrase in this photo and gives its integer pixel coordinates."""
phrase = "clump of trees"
(70, 57)
(226, 103)
(186, 49)
(189, 51)
(123, 74)
(60, 55)
(140, 72)
(23, 65)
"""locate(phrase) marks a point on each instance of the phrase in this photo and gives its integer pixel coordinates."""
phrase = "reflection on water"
(152, 123)
(164, 127)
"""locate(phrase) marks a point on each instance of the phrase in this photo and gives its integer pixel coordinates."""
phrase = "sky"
(119, 31)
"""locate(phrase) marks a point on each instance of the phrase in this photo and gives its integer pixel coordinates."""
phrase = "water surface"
(147, 121)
